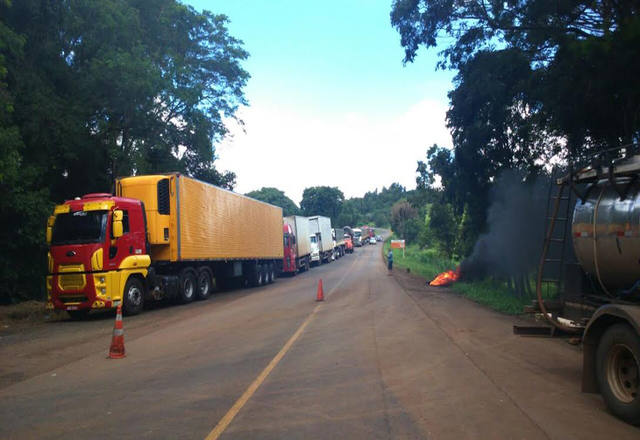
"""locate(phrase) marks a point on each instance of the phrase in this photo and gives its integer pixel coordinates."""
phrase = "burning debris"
(510, 246)
(446, 278)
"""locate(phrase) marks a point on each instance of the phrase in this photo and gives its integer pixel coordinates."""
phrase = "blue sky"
(328, 89)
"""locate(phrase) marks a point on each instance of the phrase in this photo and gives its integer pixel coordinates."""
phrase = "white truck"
(321, 237)
(300, 235)
(357, 237)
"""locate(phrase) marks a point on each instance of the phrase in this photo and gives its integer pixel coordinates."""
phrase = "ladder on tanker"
(550, 276)
(557, 230)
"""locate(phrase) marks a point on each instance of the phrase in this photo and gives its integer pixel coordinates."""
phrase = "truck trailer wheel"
(257, 276)
(272, 273)
(205, 283)
(618, 370)
(188, 285)
(133, 296)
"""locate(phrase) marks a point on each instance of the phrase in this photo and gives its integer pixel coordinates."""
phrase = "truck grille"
(73, 299)
(70, 277)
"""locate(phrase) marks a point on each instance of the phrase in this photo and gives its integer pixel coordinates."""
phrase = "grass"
(424, 262)
(28, 312)
(428, 263)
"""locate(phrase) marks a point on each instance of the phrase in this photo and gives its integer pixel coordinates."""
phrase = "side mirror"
(117, 229)
(50, 221)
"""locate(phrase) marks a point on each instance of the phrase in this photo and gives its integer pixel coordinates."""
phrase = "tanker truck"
(598, 284)
(160, 236)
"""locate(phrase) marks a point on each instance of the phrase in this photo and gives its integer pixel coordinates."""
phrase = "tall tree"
(276, 197)
(581, 54)
(322, 200)
(94, 90)
(401, 215)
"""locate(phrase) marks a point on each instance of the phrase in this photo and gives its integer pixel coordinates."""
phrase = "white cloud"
(292, 150)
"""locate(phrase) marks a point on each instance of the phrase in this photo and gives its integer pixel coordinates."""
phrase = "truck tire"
(188, 285)
(272, 273)
(257, 276)
(618, 371)
(133, 297)
(205, 283)
(265, 274)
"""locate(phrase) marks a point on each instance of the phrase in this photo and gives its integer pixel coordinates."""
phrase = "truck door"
(120, 248)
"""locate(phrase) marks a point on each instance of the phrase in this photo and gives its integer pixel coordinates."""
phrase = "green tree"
(401, 215)
(581, 55)
(442, 228)
(94, 90)
(277, 198)
(322, 200)
(348, 214)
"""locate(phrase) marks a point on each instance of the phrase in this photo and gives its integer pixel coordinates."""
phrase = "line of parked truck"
(173, 237)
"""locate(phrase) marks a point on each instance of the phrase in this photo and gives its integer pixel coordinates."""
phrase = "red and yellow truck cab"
(97, 243)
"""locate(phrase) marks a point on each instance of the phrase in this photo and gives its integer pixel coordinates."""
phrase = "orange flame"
(446, 278)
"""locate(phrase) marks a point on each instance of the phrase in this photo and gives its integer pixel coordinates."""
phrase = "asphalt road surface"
(382, 357)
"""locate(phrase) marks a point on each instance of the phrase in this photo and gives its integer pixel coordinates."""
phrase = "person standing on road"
(390, 260)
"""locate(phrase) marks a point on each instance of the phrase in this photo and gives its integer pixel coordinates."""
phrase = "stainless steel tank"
(606, 235)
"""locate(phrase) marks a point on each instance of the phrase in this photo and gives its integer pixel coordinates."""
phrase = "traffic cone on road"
(320, 295)
(116, 351)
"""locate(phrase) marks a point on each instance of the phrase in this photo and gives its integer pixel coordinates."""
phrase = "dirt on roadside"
(28, 313)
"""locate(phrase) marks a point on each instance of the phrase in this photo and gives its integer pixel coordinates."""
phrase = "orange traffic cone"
(320, 295)
(116, 351)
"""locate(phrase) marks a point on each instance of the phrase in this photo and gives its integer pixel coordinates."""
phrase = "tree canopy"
(277, 198)
(90, 91)
(322, 200)
(537, 82)
(581, 57)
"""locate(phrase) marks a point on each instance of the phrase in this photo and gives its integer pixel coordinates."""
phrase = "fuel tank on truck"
(606, 234)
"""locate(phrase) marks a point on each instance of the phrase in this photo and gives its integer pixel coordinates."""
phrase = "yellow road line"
(229, 416)
(235, 409)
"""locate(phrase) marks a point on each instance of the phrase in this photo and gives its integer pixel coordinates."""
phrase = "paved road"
(382, 357)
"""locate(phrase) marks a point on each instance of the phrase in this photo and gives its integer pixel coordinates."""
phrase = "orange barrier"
(320, 294)
(116, 351)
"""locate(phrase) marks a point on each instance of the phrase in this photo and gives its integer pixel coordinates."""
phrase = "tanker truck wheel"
(188, 286)
(618, 370)
(205, 283)
(133, 297)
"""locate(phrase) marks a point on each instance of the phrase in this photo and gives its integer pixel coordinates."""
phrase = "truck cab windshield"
(79, 227)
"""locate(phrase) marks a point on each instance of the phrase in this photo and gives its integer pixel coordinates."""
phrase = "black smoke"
(511, 246)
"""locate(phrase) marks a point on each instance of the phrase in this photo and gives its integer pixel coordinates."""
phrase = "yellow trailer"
(193, 220)
(198, 232)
